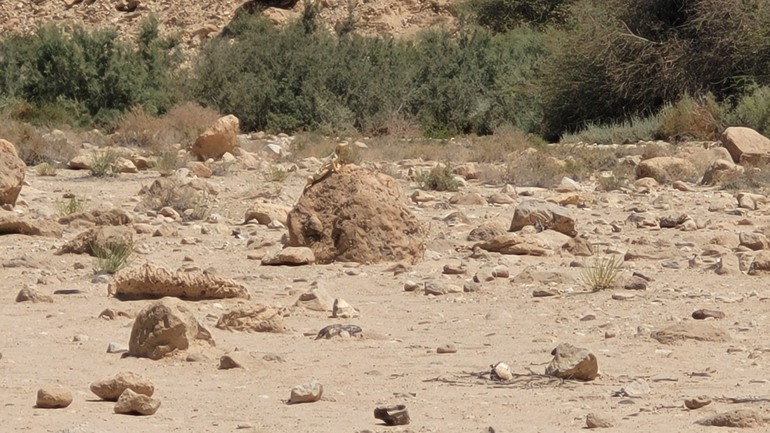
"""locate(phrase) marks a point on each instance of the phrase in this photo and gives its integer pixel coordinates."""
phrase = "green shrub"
(45, 169)
(71, 205)
(77, 75)
(505, 15)
(439, 178)
(621, 132)
(691, 119)
(601, 272)
(112, 256)
(102, 163)
(752, 110)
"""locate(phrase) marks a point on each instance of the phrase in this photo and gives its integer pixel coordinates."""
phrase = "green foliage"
(621, 132)
(505, 15)
(71, 205)
(112, 256)
(80, 76)
(602, 272)
(45, 169)
(439, 178)
(297, 78)
(276, 174)
(753, 110)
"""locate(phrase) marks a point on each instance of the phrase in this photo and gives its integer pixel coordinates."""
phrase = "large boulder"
(151, 282)
(745, 144)
(665, 168)
(219, 139)
(12, 224)
(543, 215)
(11, 173)
(356, 215)
(164, 327)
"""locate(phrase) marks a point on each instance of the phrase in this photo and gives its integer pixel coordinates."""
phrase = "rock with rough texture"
(738, 418)
(111, 388)
(393, 415)
(264, 213)
(307, 392)
(570, 362)
(109, 217)
(29, 294)
(152, 282)
(665, 168)
(316, 299)
(164, 327)
(254, 318)
(761, 263)
(54, 397)
(745, 144)
(356, 215)
(697, 402)
(595, 421)
(488, 230)
(220, 138)
(131, 403)
(11, 173)
(291, 256)
(690, 331)
(12, 224)
(721, 171)
(754, 241)
(501, 372)
(341, 309)
(543, 215)
(513, 243)
(102, 237)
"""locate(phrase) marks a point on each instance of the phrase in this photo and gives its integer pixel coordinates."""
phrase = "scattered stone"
(697, 402)
(151, 282)
(620, 296)
(164, 327)
(231, 360)
(219, 138)
(570, 362)
(307, 392)
(705, 314)
(107, 217)
(501, 372)
(664, 167)
(636, 388)
(595, 421)
(29, 294)
(447, 348)
(411, 286)
(11, 173)
(264, 213)
(111, 388)
(488, 230)
(754, 241)
(356, 215)
(484, 274)
(316, 299)
(761, 263)
(196, 357)
(468, 199)
(698, 331)
(438, 288)
(253, 318)
(544, 215)
(12, 224)
(545, 293)
(454, 269)
(53, 397)
(341, 309)
(398, 268)
(131, 403)
(336, 330)
(513, 243)
(292, 256)
(112, 314)
(116, 348)
(393, 415)
(738, 418)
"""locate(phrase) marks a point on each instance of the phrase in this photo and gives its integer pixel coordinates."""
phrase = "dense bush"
(60, 75)
(505, 15)
(300, 77)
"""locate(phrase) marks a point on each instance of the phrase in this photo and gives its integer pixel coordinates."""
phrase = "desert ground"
(642, 383)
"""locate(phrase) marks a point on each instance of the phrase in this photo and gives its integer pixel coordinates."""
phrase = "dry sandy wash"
(643, 383)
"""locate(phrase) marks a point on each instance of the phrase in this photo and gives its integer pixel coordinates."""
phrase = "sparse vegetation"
(112, 256)
(602, 272)
(102, 163)
(439, 178)
(167, 162)
(45, 169)
(276, 174)
(189, 202)
(71, 205)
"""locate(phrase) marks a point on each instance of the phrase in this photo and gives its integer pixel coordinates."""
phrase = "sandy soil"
(396, 361)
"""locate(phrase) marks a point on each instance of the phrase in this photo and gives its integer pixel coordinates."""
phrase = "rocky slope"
(197, 19)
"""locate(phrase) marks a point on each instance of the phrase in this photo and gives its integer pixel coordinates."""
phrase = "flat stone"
(116, 348)
(705, 314)
(447, 348)
(595, 421)
(738, 418)
(232, 360)
(697, 402)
